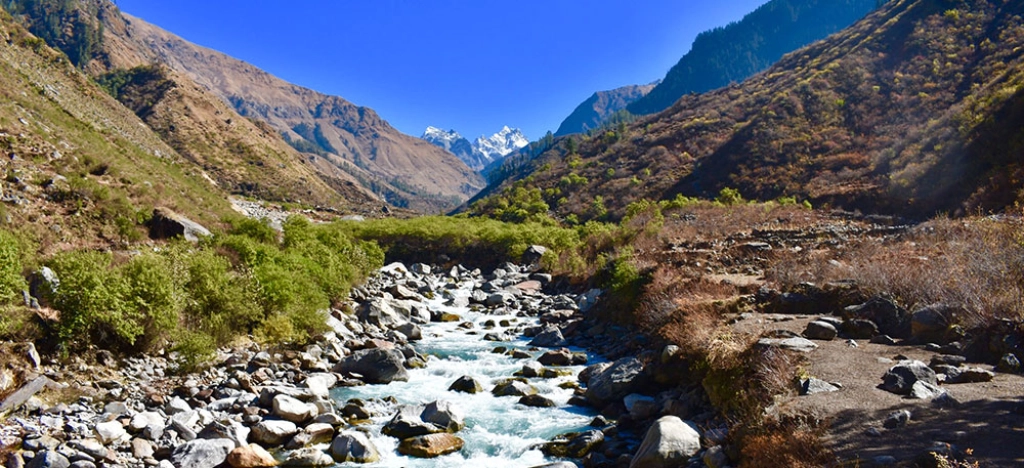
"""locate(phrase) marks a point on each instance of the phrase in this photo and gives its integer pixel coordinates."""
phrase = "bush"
(90, 298)
(157, 296)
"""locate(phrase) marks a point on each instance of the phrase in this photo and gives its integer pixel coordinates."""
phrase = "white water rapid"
(499, 432)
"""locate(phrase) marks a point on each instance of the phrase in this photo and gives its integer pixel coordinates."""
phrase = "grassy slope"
(80, 159)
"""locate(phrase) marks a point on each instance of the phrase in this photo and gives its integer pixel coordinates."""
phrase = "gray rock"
(932, 323)
(142, 448)
(466, 384)
(201, 453)
(1008, 364)
(354, 447)
(110, 432)
(533, 254)
(859, 329)
(821, 330)
(537, 401)
(798, 344)
(900, 378)
(551, 337)
(291, 409)
(513, 388)
(970, 375)
(83, 464)
(145, 419)
(669, 443)
(616, 381)
(407, 423)
(166, 224)
(922, 390)
(411, 331)
(49, 459)
(715, 457)
(176, 405)
(273, 433)
(445, 415)
(311, 457)
(896, 419)
(321, 384)
(890, 318)
(375, 366)
(228, 429)
(811, 386)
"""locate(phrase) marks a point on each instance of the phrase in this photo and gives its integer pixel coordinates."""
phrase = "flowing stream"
(499, 431)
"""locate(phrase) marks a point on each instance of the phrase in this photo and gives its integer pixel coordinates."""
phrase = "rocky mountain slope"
(735, 52)
(81, 169)
(914, 110)
(483, 151)
(595, 110)
(339, 136)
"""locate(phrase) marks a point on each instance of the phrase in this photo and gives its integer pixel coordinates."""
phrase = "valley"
(800, 248)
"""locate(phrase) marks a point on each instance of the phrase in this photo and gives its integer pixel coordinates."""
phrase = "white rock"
(110, 432)
(669, 443)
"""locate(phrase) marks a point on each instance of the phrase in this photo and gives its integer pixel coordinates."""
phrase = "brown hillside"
(916, 109)
(352, 139)
(79, 168)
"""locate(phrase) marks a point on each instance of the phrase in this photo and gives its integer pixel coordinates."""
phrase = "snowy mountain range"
(481, 152)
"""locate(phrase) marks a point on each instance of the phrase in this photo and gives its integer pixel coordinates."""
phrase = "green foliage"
(139, 88)
(63, 24)
(517, 204)
(90, 297)
(11, 281)
(573, 180)
(729, 196)
(155, 294)
(193, 350)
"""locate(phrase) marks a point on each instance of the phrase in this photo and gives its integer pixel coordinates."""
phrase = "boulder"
(250, 456)
(900, 378)
(382, 313)
(549, 338)
(354, 447)
(308, 457)
(430, 445)
(616, 381)
(110, 432)
(512, 387)
(969, 375)
(533, 254)
(575, 444)
(166, 224)
(202, 453)
(466, 384)
(1009, 364)
(890, 318)
(896, 419)
(796, 343)
(537, 401)
(859, 329)
(922, 390)
(273, 433)
(411, 331)
(932, 324)
(49, 459)
(669, 443)
(811, 386)
(558, 357)
(445, 415)
(294, 410)
(375, 366)
(407, 423)
(820, 330)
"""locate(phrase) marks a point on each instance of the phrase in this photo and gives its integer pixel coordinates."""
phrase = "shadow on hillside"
(992, 430)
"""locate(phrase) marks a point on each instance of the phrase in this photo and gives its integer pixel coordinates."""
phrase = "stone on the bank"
(273, 433)
(321, 384)
(900, 378)
(669, 443)
(142, 448)
(896, 419)
(227, 429)
(166, 224)
(110, 432)
(558, 357)
(294, 410)
(251, 456)
(444, 415)
(49, 459)
(466, 384)
(430, 445)
(890, 318)
(145, 419)
(1009, 364)
(175, 406)
(308, 457)
(616, 381)
(798, 344)
(821, 330)
(411, 331)
(922, 390)
(201, 453)
(549, 338)
(969, 375)
(931, 324)
(354, 447)
(811, 386)
(574, 445)
(376, 366)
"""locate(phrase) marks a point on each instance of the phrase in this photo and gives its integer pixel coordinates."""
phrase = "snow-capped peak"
(483, 150)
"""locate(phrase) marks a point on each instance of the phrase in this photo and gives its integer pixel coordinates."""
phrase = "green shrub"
(11, 281)
(156, 295)
(90, 299)
(193, 349)
(729, 196)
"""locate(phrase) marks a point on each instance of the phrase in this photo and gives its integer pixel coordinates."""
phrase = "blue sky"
(471, 65)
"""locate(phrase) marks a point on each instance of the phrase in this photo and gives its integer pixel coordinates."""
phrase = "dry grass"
(783, 446)
(977, 263)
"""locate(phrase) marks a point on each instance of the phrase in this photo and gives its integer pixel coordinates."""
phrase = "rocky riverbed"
(450, 367)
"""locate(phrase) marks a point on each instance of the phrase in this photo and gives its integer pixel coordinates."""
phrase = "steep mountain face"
(342, 140)
(917, 109)
(735, 52)
(81, 169)
(481, 152)
(593, 112)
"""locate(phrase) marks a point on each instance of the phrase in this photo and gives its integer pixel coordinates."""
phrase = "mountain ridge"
(481, 152)
(592, 113)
